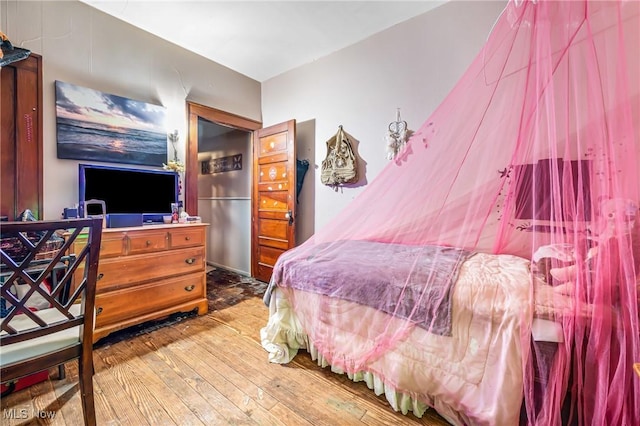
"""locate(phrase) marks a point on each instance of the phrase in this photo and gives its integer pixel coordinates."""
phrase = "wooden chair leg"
(85, 373)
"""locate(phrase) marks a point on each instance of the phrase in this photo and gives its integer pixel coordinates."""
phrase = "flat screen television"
(536, 204)
(128, 190)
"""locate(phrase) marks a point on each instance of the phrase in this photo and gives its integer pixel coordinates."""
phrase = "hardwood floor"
(206, 370)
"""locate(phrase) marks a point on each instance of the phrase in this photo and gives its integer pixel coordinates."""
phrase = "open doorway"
(218, 183)
(224, 194)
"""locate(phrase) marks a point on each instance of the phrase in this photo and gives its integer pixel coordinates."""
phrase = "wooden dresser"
(149, 272)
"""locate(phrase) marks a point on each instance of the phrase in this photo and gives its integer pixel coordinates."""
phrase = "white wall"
(411, 66)
(89, 48)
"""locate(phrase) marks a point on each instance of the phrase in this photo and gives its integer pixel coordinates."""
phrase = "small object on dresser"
(183, 216)
(70, 213)
(166, 219)
(175, 215)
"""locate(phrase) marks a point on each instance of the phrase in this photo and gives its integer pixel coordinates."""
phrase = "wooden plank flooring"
(206, 370)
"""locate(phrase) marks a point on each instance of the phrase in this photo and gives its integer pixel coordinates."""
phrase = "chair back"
(48, 272)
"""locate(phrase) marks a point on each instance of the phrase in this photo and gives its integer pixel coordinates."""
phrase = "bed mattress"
(472, 376)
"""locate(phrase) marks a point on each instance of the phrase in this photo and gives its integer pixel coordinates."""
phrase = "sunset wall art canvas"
(93, 125)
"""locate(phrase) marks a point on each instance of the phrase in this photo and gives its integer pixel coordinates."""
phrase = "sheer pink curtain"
(534, 154)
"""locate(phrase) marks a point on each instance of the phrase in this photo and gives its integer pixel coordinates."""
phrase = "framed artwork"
(92, 125)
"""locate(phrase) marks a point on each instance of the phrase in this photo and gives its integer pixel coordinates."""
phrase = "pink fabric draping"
(534, 153)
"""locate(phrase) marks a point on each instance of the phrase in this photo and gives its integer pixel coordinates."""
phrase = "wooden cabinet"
(21, 137)
(149, 272)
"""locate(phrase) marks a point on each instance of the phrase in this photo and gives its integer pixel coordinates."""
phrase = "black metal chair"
(54, 263)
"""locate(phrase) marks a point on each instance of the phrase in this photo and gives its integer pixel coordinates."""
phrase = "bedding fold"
(409, 282)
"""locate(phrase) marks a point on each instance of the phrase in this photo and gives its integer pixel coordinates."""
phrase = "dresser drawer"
(120, 305)
(123, 271)
(146, 242)
(185, 237)
(110, 246)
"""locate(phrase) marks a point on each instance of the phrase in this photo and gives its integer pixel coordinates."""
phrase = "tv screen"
(126, 190)
(533, 201)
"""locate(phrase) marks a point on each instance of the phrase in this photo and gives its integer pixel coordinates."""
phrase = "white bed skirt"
(283, 337)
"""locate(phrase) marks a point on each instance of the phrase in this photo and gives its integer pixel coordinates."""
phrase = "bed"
(467, 366)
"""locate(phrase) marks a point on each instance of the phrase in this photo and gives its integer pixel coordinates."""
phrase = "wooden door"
(21, 137)
(274, 196)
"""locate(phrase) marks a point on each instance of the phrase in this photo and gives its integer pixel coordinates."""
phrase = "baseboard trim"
(237, 271)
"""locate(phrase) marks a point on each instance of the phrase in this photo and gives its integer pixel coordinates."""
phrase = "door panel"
(275, 228)
(276, 143)
(273, 233)
(273, 243)
(274, 197)
(268, 186)
(269, 255)
(272, 201)
(7, 143)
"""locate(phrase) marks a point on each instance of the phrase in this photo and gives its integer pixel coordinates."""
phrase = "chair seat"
(20, 351)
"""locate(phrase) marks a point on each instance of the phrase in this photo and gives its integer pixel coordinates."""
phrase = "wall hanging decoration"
(96, 126)
(397, 136)
(222, 164)
(341, 164)
(176, 165)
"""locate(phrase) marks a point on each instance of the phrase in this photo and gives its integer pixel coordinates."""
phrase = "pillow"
(35, 302)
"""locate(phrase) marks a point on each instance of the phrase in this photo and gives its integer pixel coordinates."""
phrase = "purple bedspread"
(411, 282)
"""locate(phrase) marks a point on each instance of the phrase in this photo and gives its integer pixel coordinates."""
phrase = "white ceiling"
(262, 39)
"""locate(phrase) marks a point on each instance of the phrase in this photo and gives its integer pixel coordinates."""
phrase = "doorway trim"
(196, 111)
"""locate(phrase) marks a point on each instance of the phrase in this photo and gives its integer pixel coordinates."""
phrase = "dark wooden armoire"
(21, 138)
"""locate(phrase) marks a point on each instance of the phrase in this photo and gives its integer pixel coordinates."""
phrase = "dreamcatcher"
(396, 137)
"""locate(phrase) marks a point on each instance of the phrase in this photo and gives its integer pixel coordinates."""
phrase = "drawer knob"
(148, 243)
(98, 310)
(99, 277)
(187, 238)
(190, 260)
(190, 287)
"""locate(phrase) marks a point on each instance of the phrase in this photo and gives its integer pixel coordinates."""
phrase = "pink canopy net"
(534, 155)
